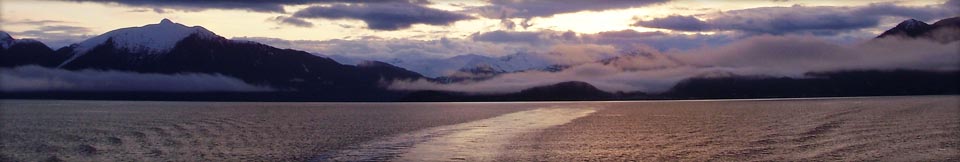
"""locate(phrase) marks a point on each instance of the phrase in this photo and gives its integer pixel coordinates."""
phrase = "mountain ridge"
(19, 52)
(302, 76)
(204, 52)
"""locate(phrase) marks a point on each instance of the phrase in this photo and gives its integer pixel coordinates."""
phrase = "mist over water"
(36, 78)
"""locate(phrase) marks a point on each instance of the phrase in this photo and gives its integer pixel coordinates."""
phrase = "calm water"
(883, 128)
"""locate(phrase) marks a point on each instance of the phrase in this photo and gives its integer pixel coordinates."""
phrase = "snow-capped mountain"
(172, 48)
(520, 62)
(151, 39)
(434, 67)
(946, 30)
(148, 39)
(911, 28)
(471, 62)
(913, 24)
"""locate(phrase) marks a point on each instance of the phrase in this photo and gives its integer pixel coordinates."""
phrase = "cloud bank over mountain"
(35, 78)
(827, 20)
(776, 56)
(547, 8)
(248, 5)
(492, 44)
(769, 41)
(383, 16)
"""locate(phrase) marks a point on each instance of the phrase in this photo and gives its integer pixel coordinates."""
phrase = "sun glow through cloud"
(242, 23)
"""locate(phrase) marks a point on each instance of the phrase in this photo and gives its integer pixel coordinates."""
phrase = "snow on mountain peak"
(6, 40)
(911, 24)
(439, 67)
(150, 39)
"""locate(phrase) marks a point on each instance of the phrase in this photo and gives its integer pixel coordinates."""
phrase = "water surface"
(922, 128)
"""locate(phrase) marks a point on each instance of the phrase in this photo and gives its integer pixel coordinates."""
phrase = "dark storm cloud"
(292, 21)
(675, 22)
(249, 5)
(35, 78)
(383, 16)
(824, 20)
(547, 8)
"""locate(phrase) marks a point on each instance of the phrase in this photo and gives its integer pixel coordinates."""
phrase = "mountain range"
(728, 86)
(173, 48)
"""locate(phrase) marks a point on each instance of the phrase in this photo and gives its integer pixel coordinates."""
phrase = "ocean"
(909, 128)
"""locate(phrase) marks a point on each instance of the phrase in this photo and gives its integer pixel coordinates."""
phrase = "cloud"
(546, 37)
(825, 20)
(623, 39)
(606, 78)
(572, 54)
(545, 47)
(291, 21)
(390, 50)
(547, 8)
(155, 10)
(139, 10)
(630, 40)
(248, 5)
(64, 29)
(782, 56)
(35, 78)
(507, 24)
(56, 36)
(795, 55)
(383, 16)
(428, 57)
(675, 22)
(34, 22)
(187, 5)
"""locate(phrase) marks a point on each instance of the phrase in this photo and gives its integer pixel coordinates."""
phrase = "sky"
(62, 22)
(678, 39)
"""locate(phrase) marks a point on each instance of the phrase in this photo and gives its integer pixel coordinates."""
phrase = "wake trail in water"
(480, 140)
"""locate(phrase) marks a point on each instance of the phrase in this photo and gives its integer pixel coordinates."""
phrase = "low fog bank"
(37, 79)
(650, 70)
